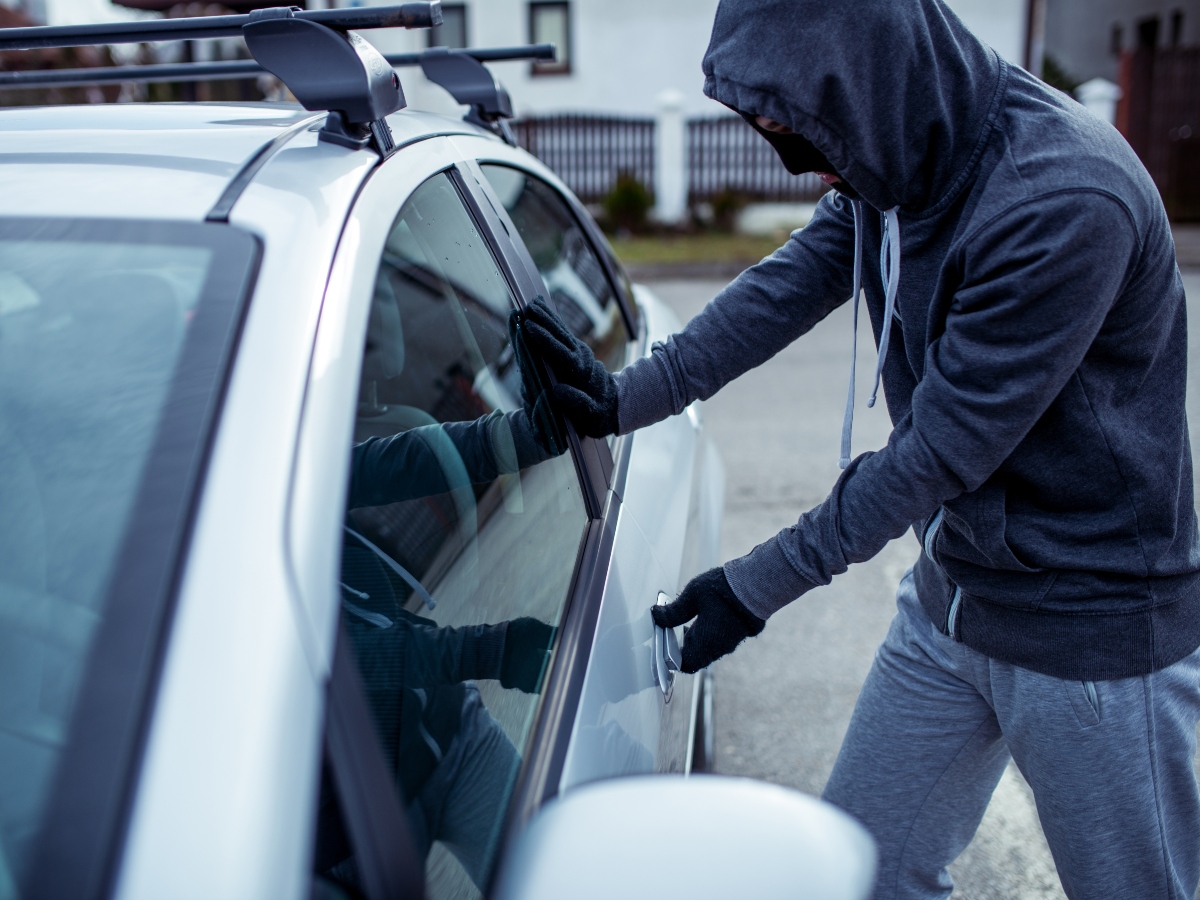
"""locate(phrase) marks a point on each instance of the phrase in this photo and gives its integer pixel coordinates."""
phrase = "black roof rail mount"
(324, 64)
(333, 70)
(468, 81)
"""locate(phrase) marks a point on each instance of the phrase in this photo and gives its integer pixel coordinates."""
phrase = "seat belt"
(370, 801)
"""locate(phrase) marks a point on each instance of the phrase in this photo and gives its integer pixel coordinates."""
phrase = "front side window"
(570, 269)
(97, 321)
(463, 522)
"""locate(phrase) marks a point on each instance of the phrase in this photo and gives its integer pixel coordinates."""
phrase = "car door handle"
(666, 655)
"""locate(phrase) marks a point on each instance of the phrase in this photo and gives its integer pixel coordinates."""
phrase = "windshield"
(93, 324)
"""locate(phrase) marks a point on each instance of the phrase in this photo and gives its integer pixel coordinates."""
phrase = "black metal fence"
(725, 155)
(588, 152)
(1159, 115)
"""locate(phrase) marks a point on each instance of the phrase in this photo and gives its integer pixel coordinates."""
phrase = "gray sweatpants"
(1110, 764)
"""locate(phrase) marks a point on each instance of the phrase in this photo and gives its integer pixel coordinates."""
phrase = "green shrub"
(627, 205)
(725, 208)
(1057, 77)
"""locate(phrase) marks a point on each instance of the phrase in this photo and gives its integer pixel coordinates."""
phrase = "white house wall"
(999, 23)
(626, 53)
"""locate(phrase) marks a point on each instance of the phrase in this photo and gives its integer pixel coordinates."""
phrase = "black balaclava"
(796, 152)
(799, 155)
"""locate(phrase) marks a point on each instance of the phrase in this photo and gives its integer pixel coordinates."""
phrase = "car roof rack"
(460, 72)
(324, 63)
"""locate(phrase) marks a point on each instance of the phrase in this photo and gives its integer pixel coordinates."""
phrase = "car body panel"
(227, 786)
(243, 659)
(617, 723)
(659, 485)
(146, 161)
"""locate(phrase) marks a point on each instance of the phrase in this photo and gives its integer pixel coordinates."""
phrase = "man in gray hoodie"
(1031, 329)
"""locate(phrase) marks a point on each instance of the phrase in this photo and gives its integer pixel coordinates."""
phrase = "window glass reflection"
(90, 335)
(463, 521)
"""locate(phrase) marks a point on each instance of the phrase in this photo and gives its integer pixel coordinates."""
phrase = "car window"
(94, 320)
(462, 526)
(572, 272)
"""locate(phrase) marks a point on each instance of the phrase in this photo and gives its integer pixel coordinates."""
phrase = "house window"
(452, 32)
(1176, 27)
(1147, 33)
(550, 23)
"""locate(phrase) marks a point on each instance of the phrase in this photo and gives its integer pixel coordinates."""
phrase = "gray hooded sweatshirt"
(1034, 364)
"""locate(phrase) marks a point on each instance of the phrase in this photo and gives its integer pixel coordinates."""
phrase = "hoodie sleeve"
(450, 655)
(1036, 286)
(434, 459)
(766, 308)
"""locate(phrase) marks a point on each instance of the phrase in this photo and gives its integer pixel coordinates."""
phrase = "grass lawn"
(695, 248)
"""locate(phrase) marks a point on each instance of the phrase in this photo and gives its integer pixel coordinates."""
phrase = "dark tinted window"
(569, 266)
(459, 543)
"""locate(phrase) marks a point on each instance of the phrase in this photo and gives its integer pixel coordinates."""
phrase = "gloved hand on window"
(722, 622)
(527, 645)
(586, 393)
(547, 424)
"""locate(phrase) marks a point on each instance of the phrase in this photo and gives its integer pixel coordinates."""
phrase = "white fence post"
(670, 159)
(1099, 97)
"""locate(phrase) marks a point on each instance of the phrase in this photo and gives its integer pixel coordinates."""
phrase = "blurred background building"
(621, 109)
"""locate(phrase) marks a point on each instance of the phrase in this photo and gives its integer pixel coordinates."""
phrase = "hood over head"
(894, 94)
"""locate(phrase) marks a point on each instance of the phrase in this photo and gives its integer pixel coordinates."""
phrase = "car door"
(623, 726)
(452, 557)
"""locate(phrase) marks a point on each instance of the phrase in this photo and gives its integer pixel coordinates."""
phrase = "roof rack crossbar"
(223, 69)
(316, 63)
(220, 70)
(483, 54)
(211, 71)
(406, 15)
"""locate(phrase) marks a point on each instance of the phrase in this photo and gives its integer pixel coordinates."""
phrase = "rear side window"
(569, 266)
(99, 325)
(459, 543)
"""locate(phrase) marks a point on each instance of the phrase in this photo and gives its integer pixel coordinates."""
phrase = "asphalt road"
(783, 700)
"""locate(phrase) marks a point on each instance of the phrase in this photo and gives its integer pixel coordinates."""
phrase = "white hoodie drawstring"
(848, 418)
(889, 273)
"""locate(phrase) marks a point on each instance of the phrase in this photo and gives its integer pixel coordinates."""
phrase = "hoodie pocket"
(974, 530)
(972, 549)
(992, 531)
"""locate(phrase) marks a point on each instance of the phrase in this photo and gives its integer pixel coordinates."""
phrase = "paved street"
(784, 700)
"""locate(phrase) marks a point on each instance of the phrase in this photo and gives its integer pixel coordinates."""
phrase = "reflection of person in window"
(453, 763)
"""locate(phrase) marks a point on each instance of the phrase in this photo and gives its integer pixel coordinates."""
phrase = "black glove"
(548, 426)
(526, 650)
(721, 621)
(586, 393)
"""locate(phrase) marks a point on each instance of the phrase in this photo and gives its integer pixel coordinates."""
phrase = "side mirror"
(702, 837)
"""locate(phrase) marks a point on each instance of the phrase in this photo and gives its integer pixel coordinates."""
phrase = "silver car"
(289, 578)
